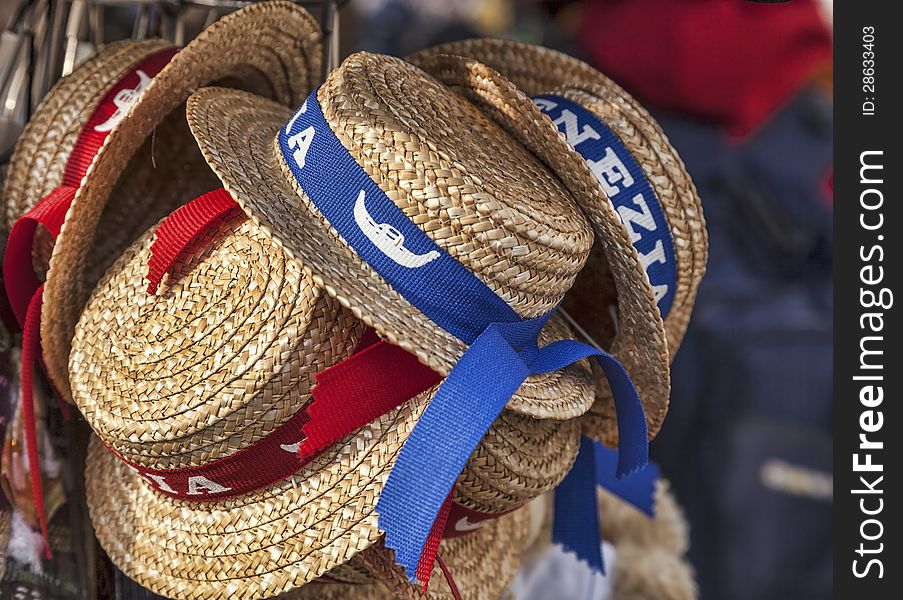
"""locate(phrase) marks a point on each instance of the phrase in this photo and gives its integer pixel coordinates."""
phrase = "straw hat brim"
(537, 70)
(272, 47)
(641, 345)
(277, 539)
(257, 545)
(236, 132)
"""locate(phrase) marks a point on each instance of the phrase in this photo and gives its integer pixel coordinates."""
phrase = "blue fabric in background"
(750, 414)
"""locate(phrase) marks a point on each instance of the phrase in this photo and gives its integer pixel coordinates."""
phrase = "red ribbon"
(185, 229)
(347, 396)
(30, 353)
(23, 288)
(359, 390)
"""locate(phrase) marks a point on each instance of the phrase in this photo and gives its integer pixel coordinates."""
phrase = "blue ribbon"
(576, 512)
(503, 348)
(625, 183)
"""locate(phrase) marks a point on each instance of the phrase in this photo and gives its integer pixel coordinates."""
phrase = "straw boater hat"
(490, 203)
(461, 245)
(612, 277)
(136, 160)
(200, 391)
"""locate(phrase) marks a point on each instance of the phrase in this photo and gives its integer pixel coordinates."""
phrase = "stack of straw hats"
(200, 387)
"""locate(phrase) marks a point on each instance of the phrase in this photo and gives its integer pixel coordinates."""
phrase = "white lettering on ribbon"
(198, 485)
(571, 133)
(659, 291)
(571, 123)
(388, 239)
(157, 481)
(577, 127)
(643, 218)
(544, 104)
(301, 141)
(124, 99)
(609, 170)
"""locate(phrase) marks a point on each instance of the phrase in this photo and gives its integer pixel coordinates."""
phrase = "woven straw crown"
(226, 351)
(454, 173)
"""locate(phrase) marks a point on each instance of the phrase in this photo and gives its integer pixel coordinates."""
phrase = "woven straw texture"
(507, 469)
(253, 546)
(39, 159)
(226, 351)
(187, 376)
(537, 70)
(453, 172)
(677, 194)
(641, 346)
(148, 165)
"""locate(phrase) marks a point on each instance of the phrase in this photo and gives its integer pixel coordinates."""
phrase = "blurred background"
(743, 91)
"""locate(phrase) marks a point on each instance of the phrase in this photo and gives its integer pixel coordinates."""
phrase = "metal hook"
(580, 330)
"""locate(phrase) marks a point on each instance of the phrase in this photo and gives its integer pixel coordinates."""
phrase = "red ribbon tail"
(448, 579)
(431, 548)
(31, 350)
(359, 389)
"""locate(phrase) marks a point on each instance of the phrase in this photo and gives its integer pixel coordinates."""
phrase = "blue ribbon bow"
(503, 349)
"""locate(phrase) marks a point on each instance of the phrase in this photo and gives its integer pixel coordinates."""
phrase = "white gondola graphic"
(124, 99)
(389, 240)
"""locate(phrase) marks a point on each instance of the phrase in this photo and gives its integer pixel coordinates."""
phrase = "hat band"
(463, 520)
(627, 187)
(23, 289)
(51, 210)
(389, 378)
(503, 348)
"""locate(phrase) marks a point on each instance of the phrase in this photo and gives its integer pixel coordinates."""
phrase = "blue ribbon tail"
(638, 489)
(447, 433)
(576, 512)
(633, 436)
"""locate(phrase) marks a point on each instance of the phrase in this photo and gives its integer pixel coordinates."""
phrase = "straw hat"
(607, 280)
(222, 357)
(147, 164)
(472, 189)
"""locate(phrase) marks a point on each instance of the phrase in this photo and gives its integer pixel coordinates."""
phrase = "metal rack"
(45, 39)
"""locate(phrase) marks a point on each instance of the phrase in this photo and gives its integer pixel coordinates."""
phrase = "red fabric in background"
(730, 62)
